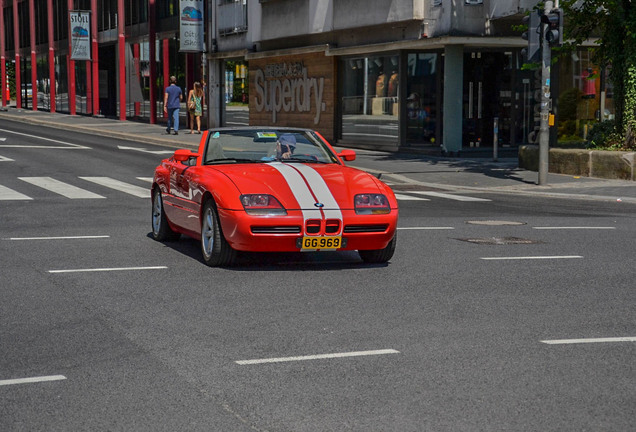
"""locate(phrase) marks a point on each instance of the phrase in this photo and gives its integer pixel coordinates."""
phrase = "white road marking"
(67, 145)
(450, 196)
(108, 269)
(143, 150)
(58, 238)
(146, 179)
(61, 188)
(532, 257)
(426, 228)
(317, 357)
(120, 186)
(592, 340)
(3, 139)
(32, 380)
(573, 228)
(5, 159)
(403, 197)
(7, 194)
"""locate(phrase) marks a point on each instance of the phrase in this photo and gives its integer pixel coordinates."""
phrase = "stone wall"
(580, 162)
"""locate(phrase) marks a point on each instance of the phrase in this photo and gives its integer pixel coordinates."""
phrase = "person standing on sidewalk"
(171, 103)
(195, 106)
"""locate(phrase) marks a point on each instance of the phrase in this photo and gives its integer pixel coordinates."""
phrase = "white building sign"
(80, 23)
(191, 26)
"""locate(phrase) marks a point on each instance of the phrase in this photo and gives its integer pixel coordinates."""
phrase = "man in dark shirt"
(171, 103)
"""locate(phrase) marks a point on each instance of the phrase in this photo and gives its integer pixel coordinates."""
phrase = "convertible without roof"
(269, 189)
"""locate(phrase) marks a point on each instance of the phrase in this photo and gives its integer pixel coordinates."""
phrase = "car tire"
(378, 256)
(215, 249)
(161, 230)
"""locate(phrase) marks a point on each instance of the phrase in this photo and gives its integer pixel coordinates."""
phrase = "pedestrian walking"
(172, 98)
(196, 100)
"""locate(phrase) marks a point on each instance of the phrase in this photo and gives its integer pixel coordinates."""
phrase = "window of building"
(370, 99)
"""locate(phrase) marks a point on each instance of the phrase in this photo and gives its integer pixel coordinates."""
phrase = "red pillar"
(95, 57)
(34, 62)
(152, 55)
(70, 66)
(3, 61)
(165, 60)
(16, 38)
(137, 70)
(121, 44)
(52, 81)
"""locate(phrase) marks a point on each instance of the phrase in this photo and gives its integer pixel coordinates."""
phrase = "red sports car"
(269, 189)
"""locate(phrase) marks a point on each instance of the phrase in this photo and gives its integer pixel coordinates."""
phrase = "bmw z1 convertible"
(268, 189)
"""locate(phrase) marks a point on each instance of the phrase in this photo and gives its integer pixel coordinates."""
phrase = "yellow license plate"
(322, 243)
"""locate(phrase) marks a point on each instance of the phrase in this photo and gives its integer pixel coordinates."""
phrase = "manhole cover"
(499, 240)
(494, 222)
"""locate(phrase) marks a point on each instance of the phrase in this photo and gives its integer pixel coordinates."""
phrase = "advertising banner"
(191, 25)
(80, 24)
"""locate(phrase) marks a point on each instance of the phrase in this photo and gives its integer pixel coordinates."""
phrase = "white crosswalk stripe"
(61, 188)
(449, 196)
(7, 194)
(120, 186)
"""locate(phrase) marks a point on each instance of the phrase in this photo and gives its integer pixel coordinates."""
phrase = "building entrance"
(488, 95)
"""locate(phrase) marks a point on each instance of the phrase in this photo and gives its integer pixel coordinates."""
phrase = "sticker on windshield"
(266, 134)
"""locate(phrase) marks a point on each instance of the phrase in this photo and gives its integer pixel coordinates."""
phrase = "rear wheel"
(377, 256)
(161, 230)
(216, 250)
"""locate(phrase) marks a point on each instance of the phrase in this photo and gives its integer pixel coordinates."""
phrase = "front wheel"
(161, 230)
(216, 250)
(379, 256)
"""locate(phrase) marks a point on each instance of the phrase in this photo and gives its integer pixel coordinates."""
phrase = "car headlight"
(262, 204)
(371, 204)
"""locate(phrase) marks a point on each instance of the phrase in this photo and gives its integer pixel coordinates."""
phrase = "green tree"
(614, 23)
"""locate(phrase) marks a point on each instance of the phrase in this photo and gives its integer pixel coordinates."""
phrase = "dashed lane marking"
(450, 196)
(573, 228)
(108, 269)
(402, 197)
(590, 340)
(32, 380)
(58, 238)
(317, 357)
(426, 228)
(65, 145)
(532, 257)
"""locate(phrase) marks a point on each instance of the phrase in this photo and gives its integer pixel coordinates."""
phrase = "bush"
(604, 136)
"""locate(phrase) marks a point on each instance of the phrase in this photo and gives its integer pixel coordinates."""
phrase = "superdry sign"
(293, 91)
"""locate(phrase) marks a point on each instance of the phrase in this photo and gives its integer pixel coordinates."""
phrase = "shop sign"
(287, 87)
(80, 24)
(191, 26)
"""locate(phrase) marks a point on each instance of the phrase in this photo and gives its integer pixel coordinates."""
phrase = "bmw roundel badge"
(319, 205)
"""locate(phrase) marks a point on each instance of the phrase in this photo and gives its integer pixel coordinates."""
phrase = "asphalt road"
(493, 314)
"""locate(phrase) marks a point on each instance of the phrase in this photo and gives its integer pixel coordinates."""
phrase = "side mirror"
(348, 155)
(183, 155)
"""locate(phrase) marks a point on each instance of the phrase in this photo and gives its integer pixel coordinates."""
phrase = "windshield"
(266, 145)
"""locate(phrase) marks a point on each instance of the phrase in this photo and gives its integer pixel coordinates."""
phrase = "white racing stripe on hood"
(321, 190)
(300, 190)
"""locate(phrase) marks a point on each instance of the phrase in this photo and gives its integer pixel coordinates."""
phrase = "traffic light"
(554, 33)
(533, 36)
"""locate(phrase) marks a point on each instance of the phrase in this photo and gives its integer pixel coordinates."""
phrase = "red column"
(165, 59)
(34, 62)
(70, 66)
(89, 88)
(16, 38)
(121, 44)
(95, 57)
(137, 70)
(52, 81)
(152, 36)
(3, 64)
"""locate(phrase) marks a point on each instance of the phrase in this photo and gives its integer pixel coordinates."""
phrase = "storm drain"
(499, 240)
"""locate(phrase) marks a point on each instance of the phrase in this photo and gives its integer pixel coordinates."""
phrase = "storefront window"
(370, 102)
(585, 97)
(422, 103)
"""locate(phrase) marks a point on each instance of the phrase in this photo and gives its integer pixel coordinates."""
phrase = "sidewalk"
(403, 170)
